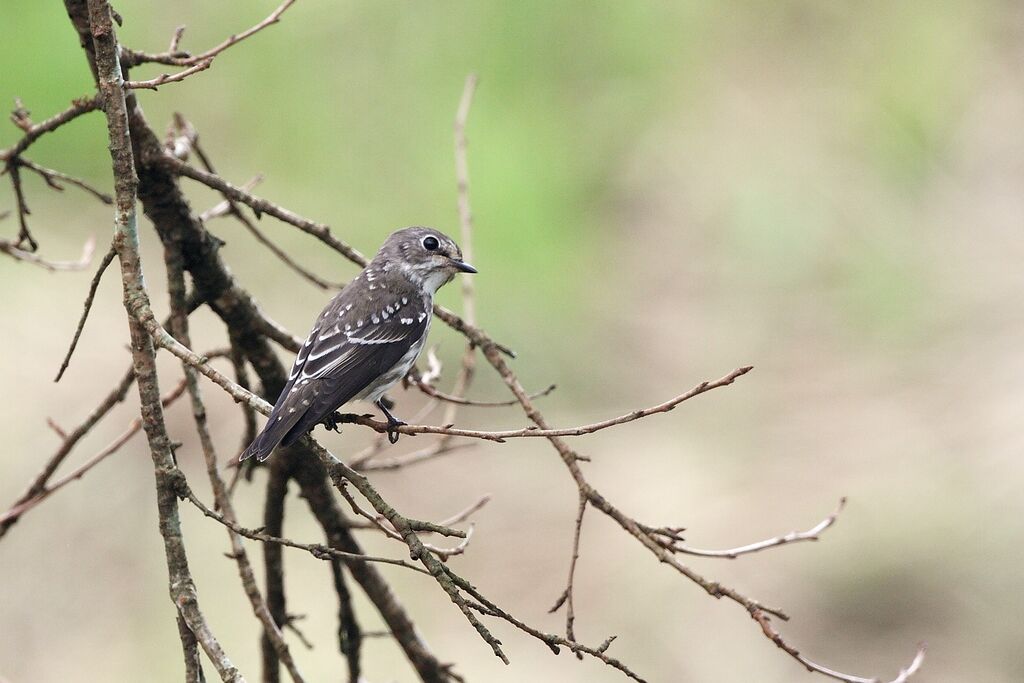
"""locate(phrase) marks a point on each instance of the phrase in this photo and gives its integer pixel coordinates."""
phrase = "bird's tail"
(277, 427)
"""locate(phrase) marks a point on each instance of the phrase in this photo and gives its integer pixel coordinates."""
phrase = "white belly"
(387, 380)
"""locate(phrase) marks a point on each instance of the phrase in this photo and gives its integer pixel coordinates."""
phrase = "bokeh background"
(830, 191)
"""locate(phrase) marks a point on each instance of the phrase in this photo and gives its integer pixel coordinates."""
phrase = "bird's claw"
(393, 432)
(334, 421)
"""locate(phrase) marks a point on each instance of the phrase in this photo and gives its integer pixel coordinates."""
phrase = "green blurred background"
(830, 191)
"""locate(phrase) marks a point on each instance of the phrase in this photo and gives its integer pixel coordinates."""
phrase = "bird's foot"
(334, 421)
(393, 422)
(393, 426)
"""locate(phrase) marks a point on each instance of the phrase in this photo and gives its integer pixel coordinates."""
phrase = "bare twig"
(271, 19)
(107, 259)
(223, 208)
(273, 563)
(469, 511)
(11, 249)
(249, 415)
(350, 635)
(175, 57)
(176, 38)
(163, 79)
(113, 447)
(531, 432)
(24, 234)
(232, 209)
(551, 640)
(52, 177)
(465, 376)
(126, 240)
(70, 439)
(769, 631)
(436, 450)
(317, 550)
(179, 323)
(405, 528)
(78, 107)
(567, 595)
(674, 539)
(261, 206)
(455, 398)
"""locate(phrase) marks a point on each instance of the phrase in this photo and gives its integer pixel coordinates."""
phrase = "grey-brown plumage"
(366, 339)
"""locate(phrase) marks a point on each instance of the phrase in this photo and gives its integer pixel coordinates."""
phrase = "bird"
(366, 339)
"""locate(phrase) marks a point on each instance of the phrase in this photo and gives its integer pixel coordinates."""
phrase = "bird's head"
(428, 257)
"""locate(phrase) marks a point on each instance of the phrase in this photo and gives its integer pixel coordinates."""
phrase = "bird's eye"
(430, 243)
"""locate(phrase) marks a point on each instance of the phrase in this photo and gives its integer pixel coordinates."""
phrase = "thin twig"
(434, 392)
(69, 440)
(436, 450)
(86, 307)
(567, 596)
(52, 177)
(551, 640)
(113, 447)
(532, 432)
(772, 634)
(812, 534)
(24, 234)
(468, 512)
(223, 207)
(179, 323)
(465, 377)
(350, 635)
(11, 249)
(177, 58)
(249, 415)
(261, 206)
(317, 550)
(163, 79)
(232, 209)
(78, 107)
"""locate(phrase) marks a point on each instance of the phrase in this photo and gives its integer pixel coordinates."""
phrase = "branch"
(179, 323)
(465, 376)
(317, 493)
(24, 234)
(457, 399)
(12, 249)
(52, 177)
(231, 208)
(162, 79)
(350, 635)
(175, 57)
(567, 595)
(769, 631)
(317, 550)
(529, 432)
(107, 259)
(27, 502)
(674, 541)
(116, 395)
(261, 206)
(78, 107)
(273, 563)
(126, 240)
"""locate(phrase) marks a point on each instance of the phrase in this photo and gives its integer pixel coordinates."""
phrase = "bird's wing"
(348, 367)
(343, 354)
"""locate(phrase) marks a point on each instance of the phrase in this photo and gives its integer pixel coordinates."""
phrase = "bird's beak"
(461, 265)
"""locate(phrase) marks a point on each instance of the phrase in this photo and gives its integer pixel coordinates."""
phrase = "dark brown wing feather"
(344, 353)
